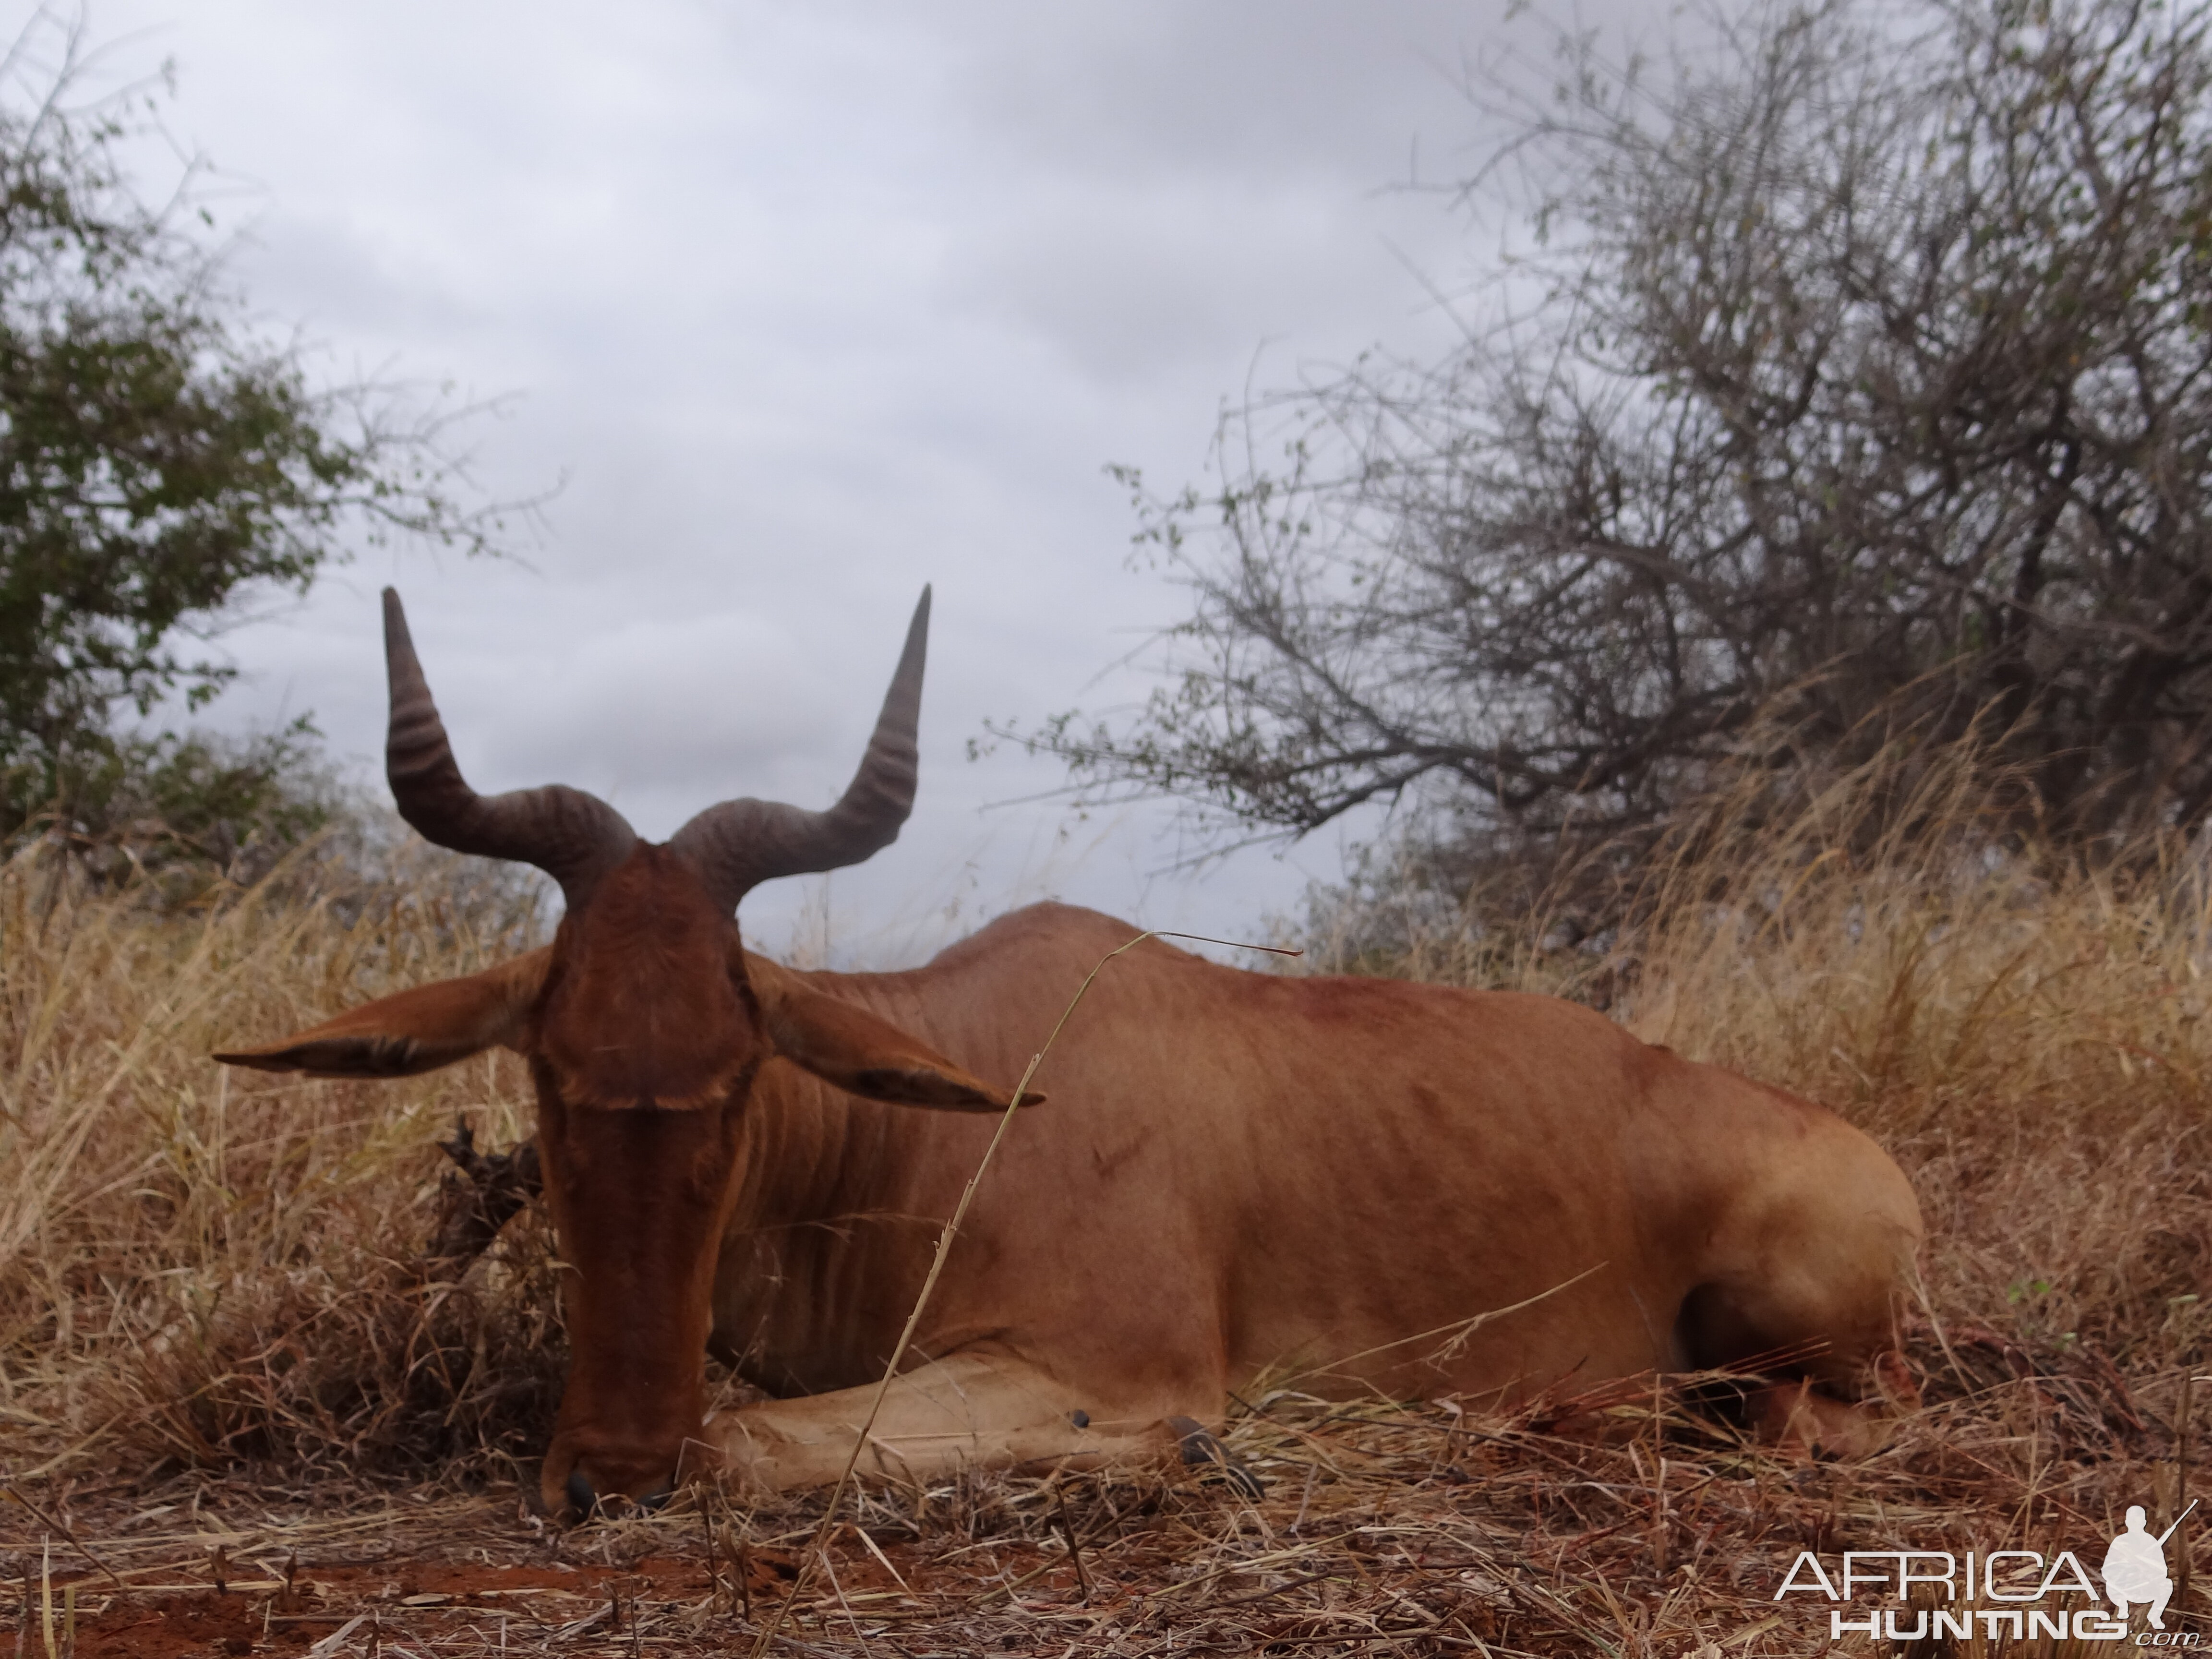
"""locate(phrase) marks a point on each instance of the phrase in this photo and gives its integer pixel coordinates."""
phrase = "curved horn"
(574, 837)
(741, 843)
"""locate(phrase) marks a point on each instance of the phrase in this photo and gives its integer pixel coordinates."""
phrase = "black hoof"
(1199, 1446)
(653, 1501)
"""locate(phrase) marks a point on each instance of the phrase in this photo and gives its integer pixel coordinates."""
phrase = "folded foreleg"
(968, 1411)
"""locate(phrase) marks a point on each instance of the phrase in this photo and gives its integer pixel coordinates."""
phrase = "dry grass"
(197, 1270)
(213, 1328)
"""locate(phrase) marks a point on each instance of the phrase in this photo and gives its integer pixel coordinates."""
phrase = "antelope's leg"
(967, 1410)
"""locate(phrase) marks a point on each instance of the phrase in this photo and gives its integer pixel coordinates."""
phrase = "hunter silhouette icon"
(2134, 1567)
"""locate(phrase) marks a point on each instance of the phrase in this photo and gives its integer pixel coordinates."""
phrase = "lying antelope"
(1237, 1173)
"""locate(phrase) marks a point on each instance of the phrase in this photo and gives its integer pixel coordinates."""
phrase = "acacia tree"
(1866, 388)
(160, 457)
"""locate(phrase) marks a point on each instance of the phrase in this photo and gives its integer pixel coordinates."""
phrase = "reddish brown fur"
(642, 1007)
(633, 1192)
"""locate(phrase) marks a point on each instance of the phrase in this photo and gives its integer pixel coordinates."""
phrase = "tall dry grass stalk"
(205, 1266)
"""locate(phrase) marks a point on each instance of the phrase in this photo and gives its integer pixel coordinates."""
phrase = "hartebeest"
(1238, 1173)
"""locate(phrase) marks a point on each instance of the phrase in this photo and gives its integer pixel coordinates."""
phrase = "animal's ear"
(416, 1030)
(849, 1047)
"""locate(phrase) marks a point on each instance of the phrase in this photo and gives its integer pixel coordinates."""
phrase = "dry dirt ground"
(1619, 1524)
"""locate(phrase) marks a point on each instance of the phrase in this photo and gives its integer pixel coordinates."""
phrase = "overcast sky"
(810, 304)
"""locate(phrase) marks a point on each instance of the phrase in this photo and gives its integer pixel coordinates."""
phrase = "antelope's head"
(644, 1026)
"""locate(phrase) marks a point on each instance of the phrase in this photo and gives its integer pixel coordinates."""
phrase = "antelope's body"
(1240, 1176)
(1356, 1185)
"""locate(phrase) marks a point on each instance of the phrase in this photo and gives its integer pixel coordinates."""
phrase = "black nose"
(587, 1503)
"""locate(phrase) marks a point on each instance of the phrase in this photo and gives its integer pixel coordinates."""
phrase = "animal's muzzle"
(581, 1499)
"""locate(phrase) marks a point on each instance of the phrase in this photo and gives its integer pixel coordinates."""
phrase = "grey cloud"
(1148, 90)
(814, 303)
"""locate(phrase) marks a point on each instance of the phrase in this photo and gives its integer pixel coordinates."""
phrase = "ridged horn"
(574, 837)
(741, 843)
